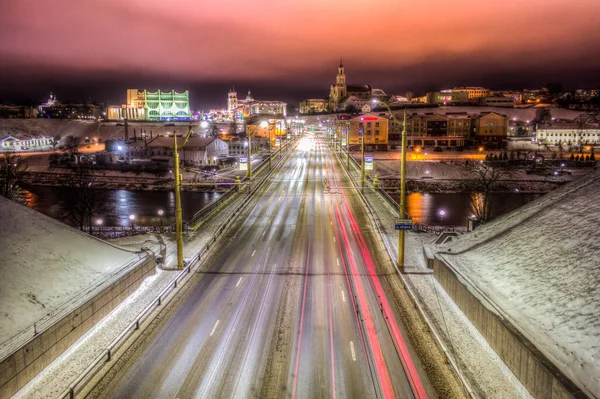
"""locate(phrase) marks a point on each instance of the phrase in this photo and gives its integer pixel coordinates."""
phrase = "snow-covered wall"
(44, 263)
(539, 266)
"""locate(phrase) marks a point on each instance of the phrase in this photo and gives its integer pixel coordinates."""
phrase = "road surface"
(288, 307)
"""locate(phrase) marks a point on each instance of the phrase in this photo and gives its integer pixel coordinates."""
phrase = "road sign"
(277, 142)
(401, 226)
(368, 162)
(343, 141)
(244, 163)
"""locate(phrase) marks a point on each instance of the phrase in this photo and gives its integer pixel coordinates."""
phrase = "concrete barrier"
(541, 378)
(18, 368)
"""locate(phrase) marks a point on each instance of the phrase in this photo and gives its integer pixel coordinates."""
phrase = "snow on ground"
(39, 127)
(44, 264)
(486, 372)
(56, 378)
(540, 266)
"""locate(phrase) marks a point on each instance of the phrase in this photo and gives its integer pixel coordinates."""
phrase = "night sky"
(289, 50)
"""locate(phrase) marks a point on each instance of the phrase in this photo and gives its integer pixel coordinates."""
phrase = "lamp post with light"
(132, 218)
(160, 214)
(402, 208)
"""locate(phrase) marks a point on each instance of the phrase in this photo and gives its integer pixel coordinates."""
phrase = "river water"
(119, 204)
(423, 207)
(452, 209)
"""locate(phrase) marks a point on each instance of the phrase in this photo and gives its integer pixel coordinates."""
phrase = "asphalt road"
(294, 282)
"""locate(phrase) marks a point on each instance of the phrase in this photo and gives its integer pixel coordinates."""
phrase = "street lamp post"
(362, 166)
(348, 145)
(402, 210)
(132, 218)
(249, 172)
(99, 223)
(160, 214)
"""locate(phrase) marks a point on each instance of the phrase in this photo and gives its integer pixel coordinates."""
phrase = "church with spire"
(340, 92)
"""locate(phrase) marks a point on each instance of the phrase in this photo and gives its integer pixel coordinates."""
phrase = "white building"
(197, 151)
(12, 144)
(569, 134)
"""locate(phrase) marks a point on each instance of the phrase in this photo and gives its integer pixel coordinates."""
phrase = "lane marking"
(214, 328)
(352, 351)
(264, 232)
(343, 296)
(333, 238)
(239, 281)
(338, 260)
(253, 252)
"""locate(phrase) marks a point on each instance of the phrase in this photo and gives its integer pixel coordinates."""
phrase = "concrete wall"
(541, 378)
(24, 364)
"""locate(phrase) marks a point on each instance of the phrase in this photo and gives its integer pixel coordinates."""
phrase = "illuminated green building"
(160, 105)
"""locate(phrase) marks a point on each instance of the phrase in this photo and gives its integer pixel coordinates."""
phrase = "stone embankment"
(112, 181)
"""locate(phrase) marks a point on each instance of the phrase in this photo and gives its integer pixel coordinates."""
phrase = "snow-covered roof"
(378, 92)
(540, 267)
(44, 263)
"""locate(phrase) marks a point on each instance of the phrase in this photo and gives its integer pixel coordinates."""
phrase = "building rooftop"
(539, 266)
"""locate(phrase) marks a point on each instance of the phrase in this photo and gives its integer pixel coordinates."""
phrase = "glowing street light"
(161, 213)
(132, 218)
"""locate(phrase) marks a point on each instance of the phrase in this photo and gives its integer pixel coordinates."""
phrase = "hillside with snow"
(540, 267)
(45, 263)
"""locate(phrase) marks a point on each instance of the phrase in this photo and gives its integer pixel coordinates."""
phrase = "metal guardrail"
(409, 290)
(107, 353)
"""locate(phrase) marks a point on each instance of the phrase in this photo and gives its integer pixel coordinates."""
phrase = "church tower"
(232, 102)
(339, 91)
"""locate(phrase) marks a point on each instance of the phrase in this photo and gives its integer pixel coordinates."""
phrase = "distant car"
(437, 149)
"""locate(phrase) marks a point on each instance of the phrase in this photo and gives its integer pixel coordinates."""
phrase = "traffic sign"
(244, 163)
(368, 162)
(343, 141)
(401, 226)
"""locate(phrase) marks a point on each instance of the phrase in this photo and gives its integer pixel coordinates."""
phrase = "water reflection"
(425, 208)
(53, 201)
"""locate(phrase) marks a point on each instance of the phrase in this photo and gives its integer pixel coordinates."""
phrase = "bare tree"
(12, 169)
(56, 141)
(72, 144)
(485, 179)
(85, 201)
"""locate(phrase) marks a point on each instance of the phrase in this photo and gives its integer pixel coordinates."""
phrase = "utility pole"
(249, 173)
(348, 145)
(178, 215)
(362, 155)
(402, 195)
(402, 209)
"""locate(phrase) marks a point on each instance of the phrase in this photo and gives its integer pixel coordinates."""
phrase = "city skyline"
(98, 49)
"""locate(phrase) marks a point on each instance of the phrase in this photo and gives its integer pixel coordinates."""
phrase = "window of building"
(376, 124)
(377, 132)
